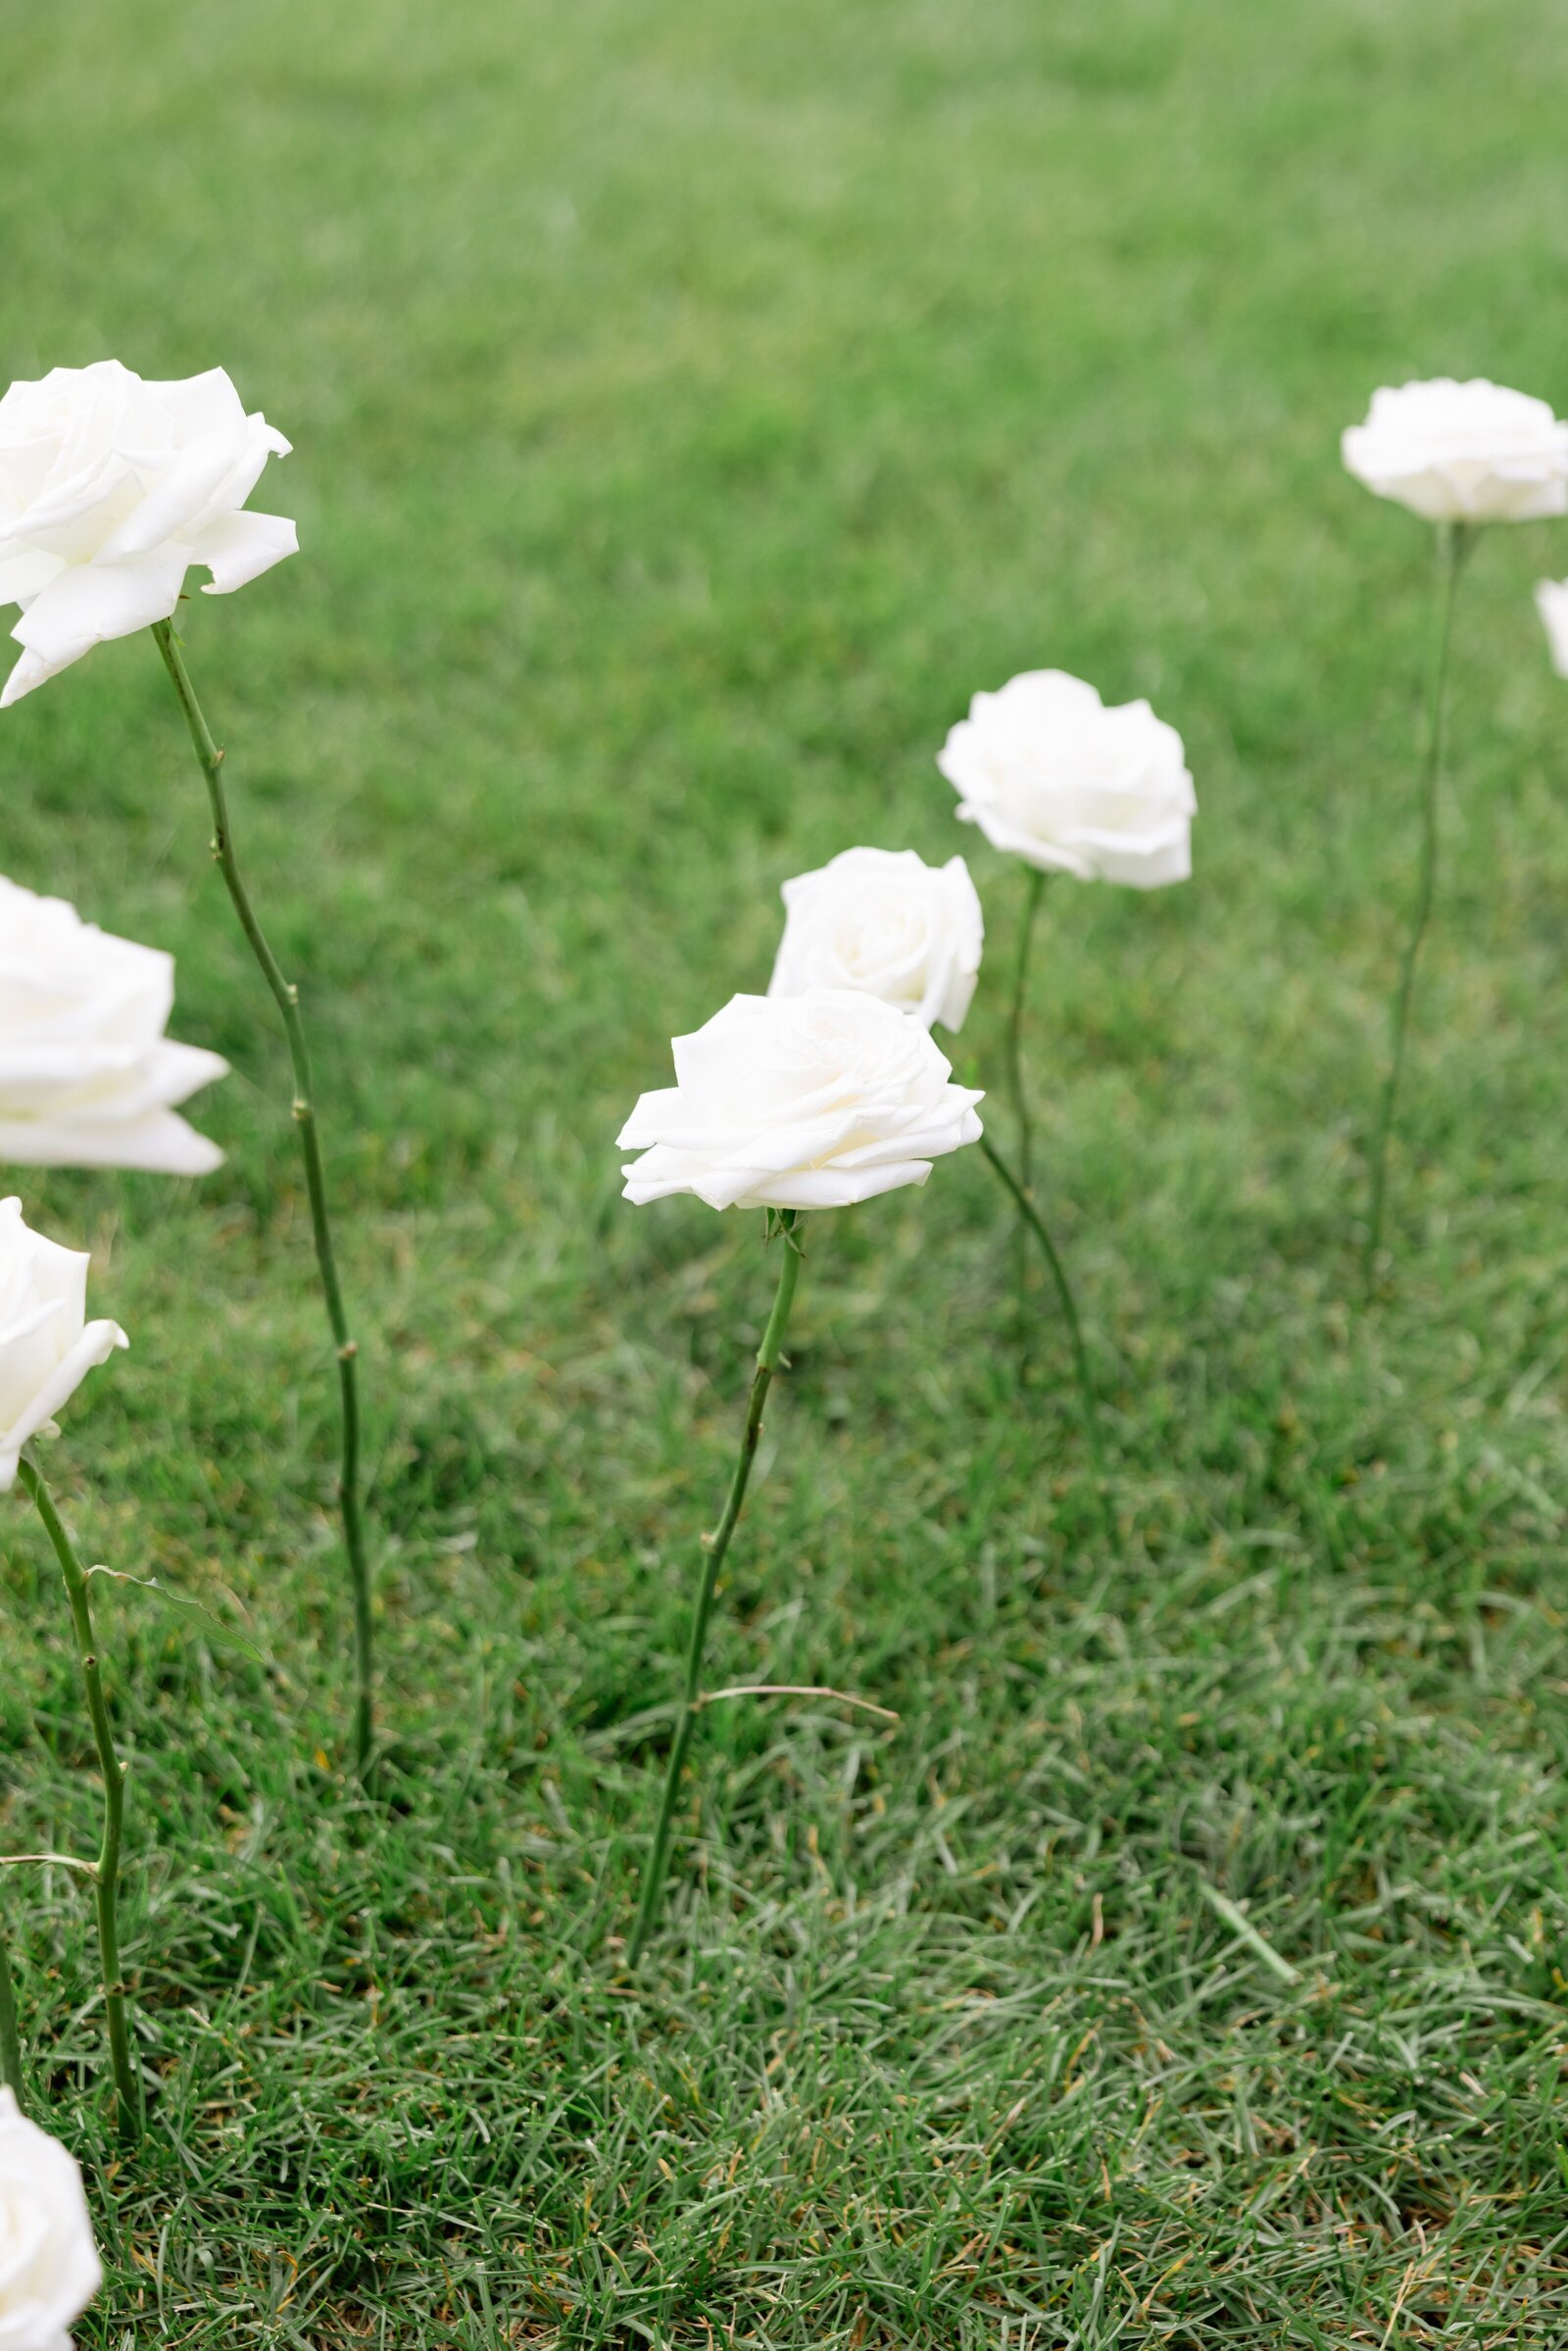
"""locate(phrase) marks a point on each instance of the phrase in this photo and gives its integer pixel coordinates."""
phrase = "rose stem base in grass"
(1453, 543)
(286, 996)
(1021, 1187)
(1088, 1402)
(715, 1547)
(106, 1884)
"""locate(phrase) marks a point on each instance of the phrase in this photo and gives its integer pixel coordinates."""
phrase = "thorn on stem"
(348, 1350)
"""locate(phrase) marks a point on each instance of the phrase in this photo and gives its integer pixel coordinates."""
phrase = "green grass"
(693, 406)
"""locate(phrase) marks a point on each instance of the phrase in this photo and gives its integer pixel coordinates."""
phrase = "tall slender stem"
(1020, 983)
(107, 1884)
(715, 1547)
(286, 996)
(10, 2032)
(1022, 1123)
(1453, 546)
(1088, 1402)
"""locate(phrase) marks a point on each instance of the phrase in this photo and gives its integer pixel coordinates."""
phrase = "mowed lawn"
(693, 406)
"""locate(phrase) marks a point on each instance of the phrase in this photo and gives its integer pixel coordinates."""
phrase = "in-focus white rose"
(1551, 603)
(49, 2270)
(1052, 774)
(87, 1077)
(883, 921)
(47, 1344)
(799, 1102)
(110, 489)
(1462, 453)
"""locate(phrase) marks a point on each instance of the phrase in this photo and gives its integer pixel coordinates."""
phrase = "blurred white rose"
(799, 1102)
(110, 489)
(47, 1346)
(49, 2270)
(87, 1077)
(1052, 776)
(883, 921)
(1462, 452)
(1551, 603)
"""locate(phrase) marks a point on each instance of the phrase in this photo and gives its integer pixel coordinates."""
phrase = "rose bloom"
(49, 2269)
(110, 489)
(1462, 453)
(1052, 776)
(1551, 603)
(799, 1102)
(883, 921)
(87, 1077)
(47, 1344)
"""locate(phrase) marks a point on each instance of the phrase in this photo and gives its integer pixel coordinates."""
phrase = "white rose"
(1462, 453)
(799, 1102)
(110, 488)
(87, 1077)
(47, 1346)
(1551, 603)
(1054, 776)
(883, 921)
(49, 2270)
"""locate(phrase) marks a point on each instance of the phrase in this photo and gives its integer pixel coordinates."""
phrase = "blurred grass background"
(692, 408)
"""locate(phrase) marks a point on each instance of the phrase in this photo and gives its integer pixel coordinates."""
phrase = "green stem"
(715, 1547)
(1016, 1081)
(1453, 546)
(9, 2032)
(106, 1884)
(1020, 982)
(286, 996)
(1036, 1223)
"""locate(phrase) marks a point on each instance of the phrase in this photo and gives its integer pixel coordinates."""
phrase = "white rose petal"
(110, 489)
(49, 2269)
(1462, 452)
(803, 1101)
(47, 1346)
(883, 921)
(1551, 603)
(1052, 776)
(87, 1077)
